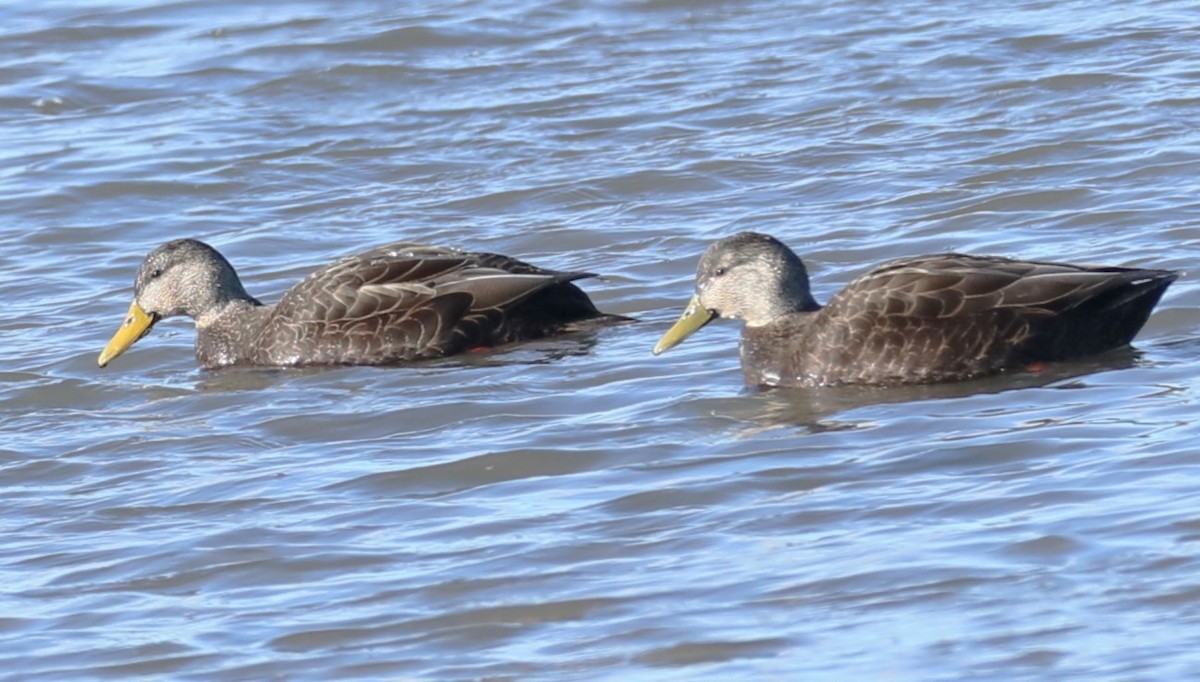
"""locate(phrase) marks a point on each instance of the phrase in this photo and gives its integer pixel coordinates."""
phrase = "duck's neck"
(776, 307)
(225, 332)
(229, 308)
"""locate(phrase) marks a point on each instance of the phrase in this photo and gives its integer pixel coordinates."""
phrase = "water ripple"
(576, 508)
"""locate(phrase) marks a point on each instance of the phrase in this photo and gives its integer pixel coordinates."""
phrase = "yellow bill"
(694, 317)
(136, 325)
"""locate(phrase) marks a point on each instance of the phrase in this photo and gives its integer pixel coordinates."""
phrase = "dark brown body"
(952, 317)
(398, 303)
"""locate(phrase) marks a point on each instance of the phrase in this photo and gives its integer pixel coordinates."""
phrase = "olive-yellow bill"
(693, 318)
(136, 325)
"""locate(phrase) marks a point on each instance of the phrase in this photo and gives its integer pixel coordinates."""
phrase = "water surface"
(575, 508)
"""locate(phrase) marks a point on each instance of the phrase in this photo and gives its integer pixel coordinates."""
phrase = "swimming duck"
(923, 319)
(391, 304)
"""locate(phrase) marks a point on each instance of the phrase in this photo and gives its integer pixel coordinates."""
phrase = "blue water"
(576, 508)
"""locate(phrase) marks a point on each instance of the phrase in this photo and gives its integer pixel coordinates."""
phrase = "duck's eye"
(155, 273)
(720, 271)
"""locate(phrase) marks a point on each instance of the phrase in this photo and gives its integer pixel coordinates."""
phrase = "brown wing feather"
(407, 301)
(952, 316)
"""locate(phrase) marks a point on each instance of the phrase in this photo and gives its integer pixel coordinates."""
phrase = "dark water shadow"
(817, 410)
(537, 352)
(526, 353)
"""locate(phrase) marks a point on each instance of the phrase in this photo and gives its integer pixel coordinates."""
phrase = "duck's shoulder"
(935, 272)
(394, 286)
(937, 285)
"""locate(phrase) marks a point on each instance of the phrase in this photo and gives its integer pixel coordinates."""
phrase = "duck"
(391, 304)
(916, 320)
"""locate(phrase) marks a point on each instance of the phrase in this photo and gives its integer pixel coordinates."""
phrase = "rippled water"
(574, 508)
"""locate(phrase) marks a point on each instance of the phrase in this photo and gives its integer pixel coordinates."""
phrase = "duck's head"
(181, 277)
(750, 276)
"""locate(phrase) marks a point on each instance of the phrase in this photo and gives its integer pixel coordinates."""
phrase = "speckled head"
(748, 276)
(181, 277)
(185, 277)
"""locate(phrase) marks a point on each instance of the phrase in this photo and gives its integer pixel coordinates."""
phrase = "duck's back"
(409, 301)
(951, 317)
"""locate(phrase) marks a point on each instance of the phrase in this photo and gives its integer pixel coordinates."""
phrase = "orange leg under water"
(1035, 367)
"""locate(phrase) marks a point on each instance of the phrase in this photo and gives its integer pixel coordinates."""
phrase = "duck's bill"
(693, 318)
(136, 325)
